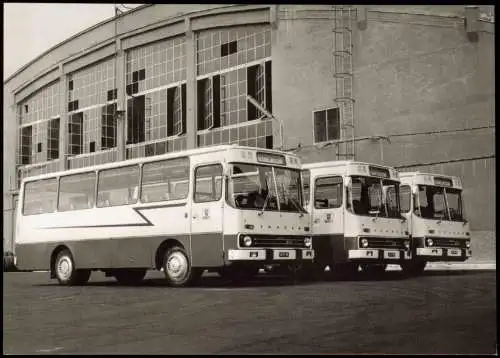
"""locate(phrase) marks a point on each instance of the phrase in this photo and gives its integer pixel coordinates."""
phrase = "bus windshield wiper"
(265, 203)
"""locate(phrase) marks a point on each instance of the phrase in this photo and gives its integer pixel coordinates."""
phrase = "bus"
(355, 217)
(226, 209)
(433, 206)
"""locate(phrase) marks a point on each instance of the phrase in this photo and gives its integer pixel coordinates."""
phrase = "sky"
(30, 29)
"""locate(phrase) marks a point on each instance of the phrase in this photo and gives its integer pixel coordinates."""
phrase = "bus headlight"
(467, 244)
(429, 241)
(407, 244)
(247, 241)
(364, 242)
(308, 242)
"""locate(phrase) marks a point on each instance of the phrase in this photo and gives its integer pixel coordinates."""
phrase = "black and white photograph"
(269, 179)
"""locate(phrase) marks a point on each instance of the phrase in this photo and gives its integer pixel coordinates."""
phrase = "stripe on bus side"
(136, 209)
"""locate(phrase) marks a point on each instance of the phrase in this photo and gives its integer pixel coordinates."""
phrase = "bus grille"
(381, 242)
(448, 242)
(278, 241)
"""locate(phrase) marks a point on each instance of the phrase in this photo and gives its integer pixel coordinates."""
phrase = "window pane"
(405, 196)
(333, 122)
(208, 184)
(40, 197)
(328, 193)
(76, 192)
(165, 180)
(118, 186)
(319, 126)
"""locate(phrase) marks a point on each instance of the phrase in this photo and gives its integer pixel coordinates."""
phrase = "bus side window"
(158, 180)
(116, 184)
(328, 193)
(40, 197)
(207, 187)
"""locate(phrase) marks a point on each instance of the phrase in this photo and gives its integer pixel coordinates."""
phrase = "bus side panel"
(34, 256)
(207, 249)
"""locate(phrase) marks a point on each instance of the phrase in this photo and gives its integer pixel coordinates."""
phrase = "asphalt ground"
(448, 312)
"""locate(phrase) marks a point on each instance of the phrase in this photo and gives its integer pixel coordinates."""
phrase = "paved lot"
(440, 312)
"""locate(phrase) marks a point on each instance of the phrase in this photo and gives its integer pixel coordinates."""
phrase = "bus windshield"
(267, 188)
(371, 196)
(439, 203)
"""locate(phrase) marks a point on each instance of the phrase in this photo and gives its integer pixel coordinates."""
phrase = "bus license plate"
(391, 254)
(284, 254)
(454, 252)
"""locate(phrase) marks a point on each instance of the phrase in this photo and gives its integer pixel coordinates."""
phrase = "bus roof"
(339, 163)
(171, 155)
(418, 173)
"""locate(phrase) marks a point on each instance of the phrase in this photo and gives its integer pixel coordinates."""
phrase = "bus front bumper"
(270, 255)
(377, 255)
(443, 254)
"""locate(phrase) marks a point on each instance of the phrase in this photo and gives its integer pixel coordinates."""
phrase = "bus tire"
(130, 276)
(177, 268)
(66, 272)
(413, 268)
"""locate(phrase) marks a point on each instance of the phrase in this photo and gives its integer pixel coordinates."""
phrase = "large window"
(439, 203)
(156, 92)
(232, 64)
(165, 180)
(40, 197)
(261, 187)
(328, 193)
(91, 108)
(39, 127)
(326, 125)
(208, 184)
(373, 196)
(118, 186)
(77, 192)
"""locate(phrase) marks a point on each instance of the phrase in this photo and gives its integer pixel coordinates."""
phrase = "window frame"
(188, 162)
(216, 164)
(117, 168)
(94, 193)
(326, 109)
(55, 209)
(341, 182)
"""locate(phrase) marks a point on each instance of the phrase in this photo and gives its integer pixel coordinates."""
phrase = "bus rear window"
(40, 197)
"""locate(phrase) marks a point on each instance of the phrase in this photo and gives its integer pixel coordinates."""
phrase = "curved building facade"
(407, 86)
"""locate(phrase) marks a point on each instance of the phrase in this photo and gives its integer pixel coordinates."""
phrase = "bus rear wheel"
(177, 268)
(130, 276)
(66, 272)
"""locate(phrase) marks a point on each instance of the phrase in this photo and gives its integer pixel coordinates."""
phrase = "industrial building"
(406, 86)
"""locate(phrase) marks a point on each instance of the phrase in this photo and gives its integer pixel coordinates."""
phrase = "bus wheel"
(129, 277)
(413, 268)
(177, 268)
(65, 270)
(372, 269)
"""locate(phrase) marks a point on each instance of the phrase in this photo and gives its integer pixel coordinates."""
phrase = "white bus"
(227, 209)
(355, 217)
(433, 205)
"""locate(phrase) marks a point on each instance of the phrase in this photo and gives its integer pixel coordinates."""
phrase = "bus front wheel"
(66, 272)
(177, 268)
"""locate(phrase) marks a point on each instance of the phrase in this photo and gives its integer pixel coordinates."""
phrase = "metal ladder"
(343, 74)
